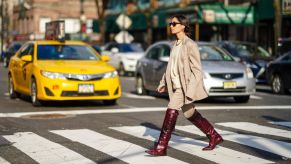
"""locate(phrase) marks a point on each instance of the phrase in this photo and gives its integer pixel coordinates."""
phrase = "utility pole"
(2, 27)
(278, 23)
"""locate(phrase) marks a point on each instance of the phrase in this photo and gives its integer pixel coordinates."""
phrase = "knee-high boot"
(203, 124)
(166, 131)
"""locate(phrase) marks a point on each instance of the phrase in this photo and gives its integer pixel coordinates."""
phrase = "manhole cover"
(47, 116)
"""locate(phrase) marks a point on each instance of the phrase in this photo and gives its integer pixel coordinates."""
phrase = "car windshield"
(130, 48)
(66, 52)
(14, 47)
(213, 53)
(248, 50)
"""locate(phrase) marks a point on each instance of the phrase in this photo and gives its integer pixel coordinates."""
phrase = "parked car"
(278, 74)
(123, 56)
(223, 76)
(284, 45)
(11, 50)
(253, 56)
(71, 70)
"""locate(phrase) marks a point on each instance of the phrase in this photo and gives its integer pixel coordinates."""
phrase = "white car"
(123, 56)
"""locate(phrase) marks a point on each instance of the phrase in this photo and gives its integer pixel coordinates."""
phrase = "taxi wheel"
(140, 89)
(109, 102)
(33, 92)
(12, 93)
(121, 70)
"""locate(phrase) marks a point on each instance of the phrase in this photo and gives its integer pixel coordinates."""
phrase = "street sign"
(123, 37)
(123, 21)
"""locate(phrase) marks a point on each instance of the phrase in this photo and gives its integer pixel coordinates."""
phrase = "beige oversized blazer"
(190, 72)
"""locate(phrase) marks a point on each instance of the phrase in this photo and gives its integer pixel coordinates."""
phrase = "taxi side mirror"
(27, 58)
(105, 58)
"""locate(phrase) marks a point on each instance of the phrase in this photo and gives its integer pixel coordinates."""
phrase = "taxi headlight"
(53, 75)
(110, 74)
(249, 73)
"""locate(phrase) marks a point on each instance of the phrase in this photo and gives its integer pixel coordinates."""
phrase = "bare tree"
(277, 23)
(101, 6)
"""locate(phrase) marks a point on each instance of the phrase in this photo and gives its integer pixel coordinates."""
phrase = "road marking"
(273, 146)
(3, 161)
(251, 127)
(123, 150)
(6, 94)
(256, 97)
(130, 95)
(43, 150)
(282, 123)
(193, 147)
(145, 109)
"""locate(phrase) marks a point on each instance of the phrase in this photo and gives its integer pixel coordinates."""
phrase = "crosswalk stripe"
(270, 145)
(282, 123)
(3, 161)
(193, 147)
(251, 127)
(44, 151)
(120, 149)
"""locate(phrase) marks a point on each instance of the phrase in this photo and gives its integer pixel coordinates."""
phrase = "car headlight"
(53, 75)
(249, 73)
(110, 74)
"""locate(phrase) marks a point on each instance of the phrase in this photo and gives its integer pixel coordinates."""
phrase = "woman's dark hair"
(184, 21)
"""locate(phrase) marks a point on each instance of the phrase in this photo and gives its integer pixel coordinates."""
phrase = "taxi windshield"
(65, 52)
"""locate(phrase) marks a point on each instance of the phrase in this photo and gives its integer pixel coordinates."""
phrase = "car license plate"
(86, 88)
(229, 84)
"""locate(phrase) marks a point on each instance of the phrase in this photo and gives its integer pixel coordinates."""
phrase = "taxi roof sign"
(55, 30)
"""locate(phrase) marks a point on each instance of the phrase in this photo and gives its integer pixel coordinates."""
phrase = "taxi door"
(20, 69)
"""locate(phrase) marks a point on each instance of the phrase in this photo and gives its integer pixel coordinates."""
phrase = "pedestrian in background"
(183, 80)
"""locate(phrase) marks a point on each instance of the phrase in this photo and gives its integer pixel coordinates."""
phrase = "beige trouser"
(177, 102)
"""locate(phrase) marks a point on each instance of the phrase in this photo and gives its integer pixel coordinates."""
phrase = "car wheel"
(140, 89)
(241, 99)
(121, 70)
(12, 93)
(109, 102)
(277, 85)
(33, 92)
(5, 62)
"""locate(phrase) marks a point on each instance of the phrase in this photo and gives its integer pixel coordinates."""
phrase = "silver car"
(223, 76)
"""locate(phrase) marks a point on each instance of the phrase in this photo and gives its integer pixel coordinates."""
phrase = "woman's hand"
(161, 89)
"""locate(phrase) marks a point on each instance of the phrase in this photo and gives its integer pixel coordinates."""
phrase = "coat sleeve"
(196, 75)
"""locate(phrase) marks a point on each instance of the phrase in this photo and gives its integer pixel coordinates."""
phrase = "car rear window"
(65, 52)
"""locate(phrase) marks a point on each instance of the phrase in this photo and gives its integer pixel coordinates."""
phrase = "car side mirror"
(105, 58)
(27, 58)
(164, 58)
(114, 50)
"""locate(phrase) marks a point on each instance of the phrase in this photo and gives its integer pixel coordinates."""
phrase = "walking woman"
(183, 80)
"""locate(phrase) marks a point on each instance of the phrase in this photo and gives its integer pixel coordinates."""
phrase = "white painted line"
(43, 150)
(3, 161)
(6, 94)
(136, 110)
(123, 150)
(194, 147)
(256, 97)
(282, 123)
(273, 146)
(130, 95)
(251, 127)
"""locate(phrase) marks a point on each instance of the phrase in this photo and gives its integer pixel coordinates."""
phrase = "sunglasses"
(173, 24)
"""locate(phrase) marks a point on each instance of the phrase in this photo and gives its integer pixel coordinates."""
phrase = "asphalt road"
(88, 132)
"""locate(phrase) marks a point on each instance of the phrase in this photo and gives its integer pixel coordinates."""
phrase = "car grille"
(84, 77)
(222, 90)
(227, 76)
(75, 93)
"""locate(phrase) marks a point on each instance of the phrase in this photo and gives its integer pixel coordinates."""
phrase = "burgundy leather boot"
(203, 124)
(166, 131)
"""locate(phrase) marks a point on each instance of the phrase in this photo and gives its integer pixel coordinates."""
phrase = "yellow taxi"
(62, 70)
